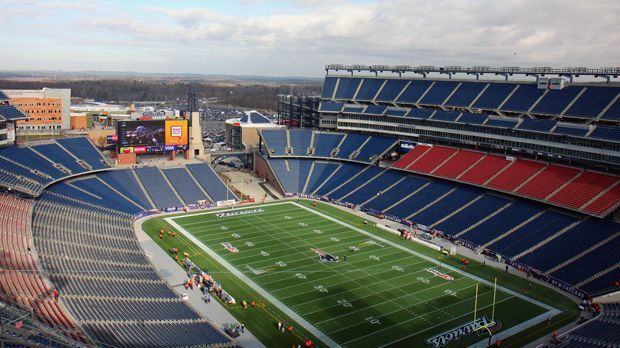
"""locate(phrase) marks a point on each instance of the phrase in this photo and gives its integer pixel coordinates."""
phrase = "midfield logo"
(437, 273)
(456, 333)
(238, 212)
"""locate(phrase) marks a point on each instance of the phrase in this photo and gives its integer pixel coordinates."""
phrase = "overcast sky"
(298, 37)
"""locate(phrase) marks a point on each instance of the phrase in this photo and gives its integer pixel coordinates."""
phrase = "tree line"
(248, 95)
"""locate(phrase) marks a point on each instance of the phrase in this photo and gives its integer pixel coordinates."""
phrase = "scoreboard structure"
(152, 137)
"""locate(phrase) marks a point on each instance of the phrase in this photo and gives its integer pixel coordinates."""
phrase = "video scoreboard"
(153, 136)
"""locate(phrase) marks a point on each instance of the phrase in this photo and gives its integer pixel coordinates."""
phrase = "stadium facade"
(525, 172)
(48, 109)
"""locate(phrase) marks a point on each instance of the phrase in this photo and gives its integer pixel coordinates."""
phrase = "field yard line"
(431, 327)
(383, 270)
(236, 225)
(298, 269)
(234, 258)
(386, 299)
(261, 240)
(316, 332)
(258, 232)
(395, 298)
(356, 281)
(335, 294)
(551, 310)
(414, 318)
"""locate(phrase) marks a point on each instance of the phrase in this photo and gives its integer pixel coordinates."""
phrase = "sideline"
(281, 306)
(170, 271)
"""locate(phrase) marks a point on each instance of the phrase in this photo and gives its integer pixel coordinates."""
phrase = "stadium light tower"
(192, 101)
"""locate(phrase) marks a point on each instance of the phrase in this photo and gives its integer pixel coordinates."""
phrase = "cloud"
(307, 34)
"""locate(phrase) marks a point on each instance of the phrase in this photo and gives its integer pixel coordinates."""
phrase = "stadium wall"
(262, 169)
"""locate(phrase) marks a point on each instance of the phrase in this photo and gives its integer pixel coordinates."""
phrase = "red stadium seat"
(581, 190)
(485, 169)
(411, 156)
(515, 175)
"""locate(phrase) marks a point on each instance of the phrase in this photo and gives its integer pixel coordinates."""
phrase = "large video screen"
(141, 133)
(141, 137)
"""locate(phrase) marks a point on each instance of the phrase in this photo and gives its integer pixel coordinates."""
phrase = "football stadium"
(408, 207)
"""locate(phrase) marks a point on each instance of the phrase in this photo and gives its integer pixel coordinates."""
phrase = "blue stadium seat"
(592, 101)
(344, 173)
(110, 198)
(357, 181)
(353, 109)
(185, 185)
(211, 182)
(320, 173)
(420, 113)
(28, 158)
(421, 199)
(300, 141)
(613, 113)
(556, 100)
(472, 214)
(541, 125)
(375, 186)
(375, 109)
(523, 98)
(576, 130)
(125, 182)
(158, 189)
(602, 284)
(391, 90)
(441, 209)
(9, 112)
(414, 91)
(396, 193)
(396, 112)
(606, 132)
(494, 95)
(331, 106)
(376, 146)
(593, 262)
(532, 233)
(470, 118)
(347, 87)
(275, 140)
(589, 232)
(369, 89)
(82, 148)
(450, 116)
(57, 154)
(438, 93)
(510, 217)
(328, 87)
(324, 143)
(465, 94)
(504, 123)
(352, 142)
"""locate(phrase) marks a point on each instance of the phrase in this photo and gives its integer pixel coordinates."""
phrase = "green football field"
(383, 294)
